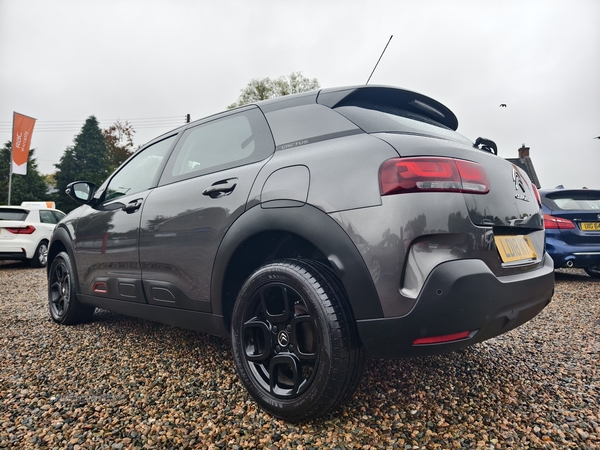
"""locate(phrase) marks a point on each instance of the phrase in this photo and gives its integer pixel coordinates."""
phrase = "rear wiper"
(486, 144)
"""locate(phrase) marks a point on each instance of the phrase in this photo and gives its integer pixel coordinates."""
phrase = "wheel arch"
(61, 241)
(262, 235)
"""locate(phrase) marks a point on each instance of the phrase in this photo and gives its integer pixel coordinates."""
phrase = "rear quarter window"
(306, 124)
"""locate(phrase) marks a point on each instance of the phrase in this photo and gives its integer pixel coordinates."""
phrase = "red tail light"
(552, 222)
(431, 174)
(27, 230)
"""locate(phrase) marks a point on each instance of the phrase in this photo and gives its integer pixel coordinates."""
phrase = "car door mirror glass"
(81, 191)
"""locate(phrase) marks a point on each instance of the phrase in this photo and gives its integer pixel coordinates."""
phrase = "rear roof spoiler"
(382, 97)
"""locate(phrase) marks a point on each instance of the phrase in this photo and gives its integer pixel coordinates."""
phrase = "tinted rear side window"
(306, 124)
(47, 217)
(581, 201)
(59, 215)
(13, 214)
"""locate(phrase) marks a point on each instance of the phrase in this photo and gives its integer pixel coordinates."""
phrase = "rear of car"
(25, 232)
(470, 261)
(572, 220)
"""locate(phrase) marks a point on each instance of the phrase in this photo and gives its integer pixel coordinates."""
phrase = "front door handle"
(132, 206)
(221, 188)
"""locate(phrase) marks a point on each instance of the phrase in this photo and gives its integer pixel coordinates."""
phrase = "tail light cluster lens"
(427, 174)
(25, 230)
(552, 222)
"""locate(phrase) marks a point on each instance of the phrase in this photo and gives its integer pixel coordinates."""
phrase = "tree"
(87, 160)
(30, 187)
(119, 143)
(265, 88)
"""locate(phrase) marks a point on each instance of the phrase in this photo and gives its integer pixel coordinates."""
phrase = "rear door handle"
(132, 206)
(221, 188)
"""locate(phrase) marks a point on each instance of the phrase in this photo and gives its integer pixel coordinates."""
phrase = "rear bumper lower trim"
(458, 296)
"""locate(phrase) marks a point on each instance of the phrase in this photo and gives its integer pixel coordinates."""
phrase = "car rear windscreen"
(397, 120)
(13, 214)
(583, 201)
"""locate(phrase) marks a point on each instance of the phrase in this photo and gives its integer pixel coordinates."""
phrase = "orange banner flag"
(22, 131)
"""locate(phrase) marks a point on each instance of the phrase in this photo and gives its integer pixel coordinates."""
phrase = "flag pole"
(10, 163)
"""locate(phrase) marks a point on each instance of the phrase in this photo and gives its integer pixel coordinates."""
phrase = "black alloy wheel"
(62, 297)
(294, 340)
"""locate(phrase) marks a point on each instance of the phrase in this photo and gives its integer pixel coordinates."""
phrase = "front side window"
(138, 174)
(220, 144)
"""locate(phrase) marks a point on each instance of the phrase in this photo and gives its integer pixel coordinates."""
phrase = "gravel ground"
(121, 383)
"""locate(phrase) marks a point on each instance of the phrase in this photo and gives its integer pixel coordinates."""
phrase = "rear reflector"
(430, 174)
(553, 223)
(100, 287)
(442, 339)
(25, 230)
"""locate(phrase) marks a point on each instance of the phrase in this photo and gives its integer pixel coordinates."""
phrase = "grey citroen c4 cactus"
(314, 230)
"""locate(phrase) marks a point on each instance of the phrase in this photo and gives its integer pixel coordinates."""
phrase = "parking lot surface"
(120, 383)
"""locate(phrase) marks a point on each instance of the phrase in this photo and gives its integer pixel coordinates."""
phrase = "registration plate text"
(590, 226)
(515, 248)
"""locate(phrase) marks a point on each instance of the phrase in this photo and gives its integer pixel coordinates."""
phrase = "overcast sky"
(153, 62)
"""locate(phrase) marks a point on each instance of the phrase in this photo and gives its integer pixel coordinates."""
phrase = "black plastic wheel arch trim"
(320, 230)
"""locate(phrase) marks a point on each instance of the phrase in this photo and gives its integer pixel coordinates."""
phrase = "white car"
(25, 232)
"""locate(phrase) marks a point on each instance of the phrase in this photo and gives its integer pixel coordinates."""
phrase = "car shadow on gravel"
(573, 275)
(424, 388)
(16, 265)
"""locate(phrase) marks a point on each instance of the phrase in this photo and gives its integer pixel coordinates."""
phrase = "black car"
(313, 229)
(572, 221)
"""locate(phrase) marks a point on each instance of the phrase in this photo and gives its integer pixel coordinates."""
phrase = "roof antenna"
(386, 46)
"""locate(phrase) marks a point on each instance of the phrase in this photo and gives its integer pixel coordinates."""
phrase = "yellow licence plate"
(515, 248)
(590, 226)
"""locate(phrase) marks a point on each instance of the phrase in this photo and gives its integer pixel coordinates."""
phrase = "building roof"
(525, 163)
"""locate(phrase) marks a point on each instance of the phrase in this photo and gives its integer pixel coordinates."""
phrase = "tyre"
(294, 338)
(40, 257)
(65, 309)
(593, 271)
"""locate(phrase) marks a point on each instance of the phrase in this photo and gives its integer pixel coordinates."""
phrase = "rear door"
(203, 190)
(48, 221)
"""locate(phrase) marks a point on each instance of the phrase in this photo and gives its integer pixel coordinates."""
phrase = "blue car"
(572, 221)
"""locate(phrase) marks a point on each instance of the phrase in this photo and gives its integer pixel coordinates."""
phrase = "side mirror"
(81, 191)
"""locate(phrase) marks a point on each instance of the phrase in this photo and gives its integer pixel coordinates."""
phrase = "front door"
(107, 234)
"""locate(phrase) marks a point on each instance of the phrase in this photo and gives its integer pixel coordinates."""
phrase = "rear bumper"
(25, 248)
(459, 296)
(10, 253)
(565, 255)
